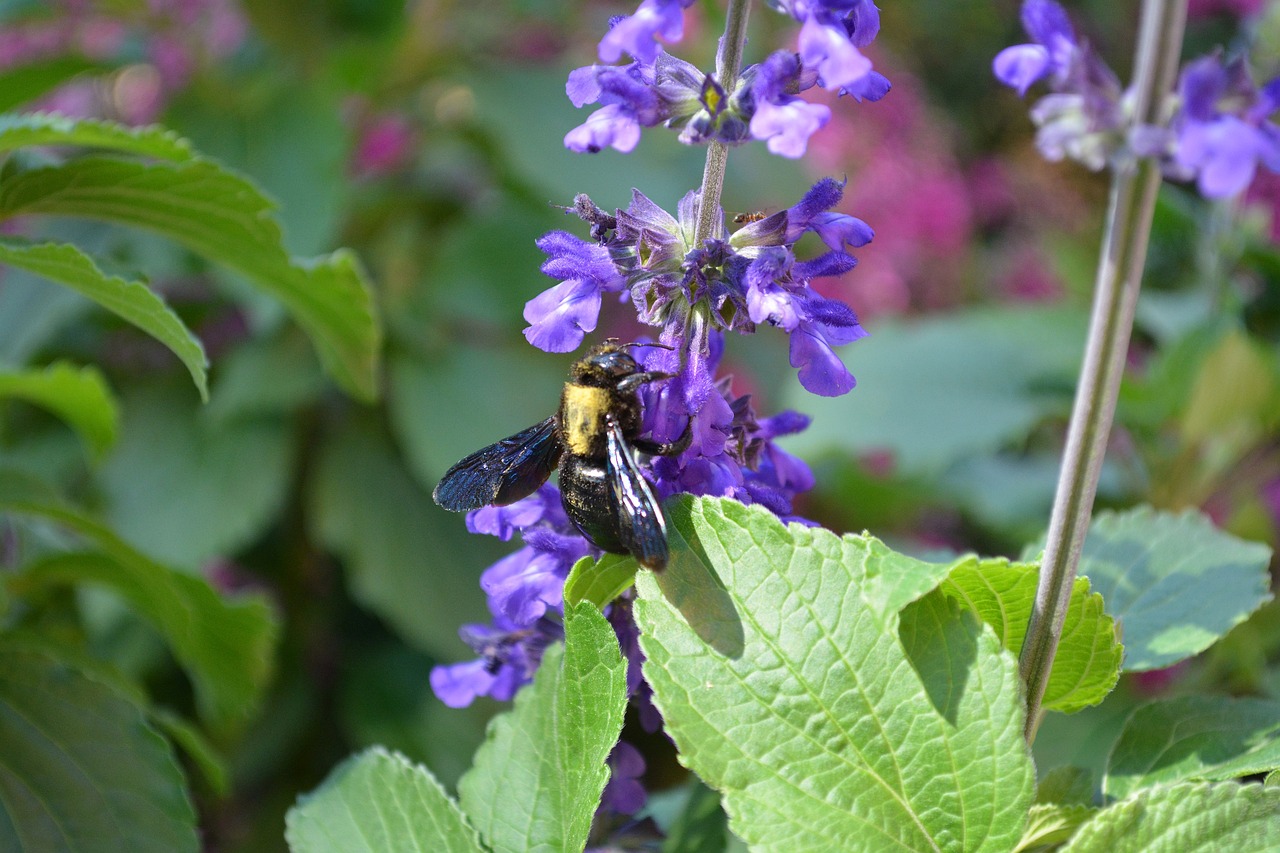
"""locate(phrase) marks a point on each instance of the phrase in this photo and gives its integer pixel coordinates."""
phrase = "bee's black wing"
(502, 473)
(641, 528)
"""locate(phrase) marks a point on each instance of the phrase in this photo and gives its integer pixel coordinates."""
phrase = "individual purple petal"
(523, 585)
(583, 86)
(820, 197)
(1202, 82)
(838, 230)
(1021, 65)
(559, 318)
(504, 521)
(821, 370)
(871, 87)
(863, 22)
(624, 793)
(839, 63)
(1224, 152)
(458, 685)
(610, 126)
(636, 34)
(786, 127)
(1047, 22)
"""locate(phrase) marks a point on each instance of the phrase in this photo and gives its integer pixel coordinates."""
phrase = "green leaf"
(185, 486)
(83, 771)
(1002, 594)
(1185, 818)
(1212, 738)
(24, 83)
(202, 753)
(225, 645)
(1175, 583)
(27, 129)
(129, 300)
(375, 802)
(938, 391)
(78, 396)
(225, 219)
(600, 581)
(1050, 823)
(538, 777)
(790, 683)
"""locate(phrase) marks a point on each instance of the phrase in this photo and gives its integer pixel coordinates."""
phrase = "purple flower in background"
(1222, 133)
(637, 34)
(623, 793)
(1084, 116)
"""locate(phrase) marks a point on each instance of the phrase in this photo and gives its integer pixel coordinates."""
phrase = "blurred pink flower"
(385, 145)
(1235, 8)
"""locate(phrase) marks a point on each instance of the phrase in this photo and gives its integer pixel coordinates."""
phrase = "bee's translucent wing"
(503, 472)
(641, 527)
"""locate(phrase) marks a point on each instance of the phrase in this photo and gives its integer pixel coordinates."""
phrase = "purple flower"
(784, 121)
(1084, 118)
(828, 50)
(1055, 51)
(560, 317)
(1222, 132)
(624, 793)
(636, 34)
(509, 655)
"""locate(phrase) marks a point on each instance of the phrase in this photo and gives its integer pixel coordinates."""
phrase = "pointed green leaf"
(225, 219)
(129, 300)
(1175, 583)
(226, 645)
(19, 130)
(600, 581)
(1001, 593)
(700, 827)
(1051, 823)
(376, 802)
(1194, 737)
(827, 721)
(1190, 817)
(537, 779)
(82, 770)
(78, 396)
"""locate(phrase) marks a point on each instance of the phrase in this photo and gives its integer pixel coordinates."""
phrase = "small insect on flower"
(742, 218)
(592, 438)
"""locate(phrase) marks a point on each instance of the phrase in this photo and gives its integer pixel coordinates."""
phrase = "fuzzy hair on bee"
(592, 438)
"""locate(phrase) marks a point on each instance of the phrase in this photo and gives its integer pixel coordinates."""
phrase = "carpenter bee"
(592, 438)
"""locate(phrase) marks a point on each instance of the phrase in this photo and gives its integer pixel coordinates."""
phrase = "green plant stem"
(728, 64)
(1124, 249)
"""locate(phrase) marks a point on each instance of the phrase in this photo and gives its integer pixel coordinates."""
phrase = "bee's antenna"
(653, 344)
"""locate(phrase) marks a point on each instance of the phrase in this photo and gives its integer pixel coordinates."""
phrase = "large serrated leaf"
(1174, 583)
(375, 802)
(1087, 665)
(131, 301)
(828, 722)
(538, 778)
(1194, 737)
(225, 219)
(83, 771)
(78, 396)
(1185, 818)
(18, 130)
(226, 646)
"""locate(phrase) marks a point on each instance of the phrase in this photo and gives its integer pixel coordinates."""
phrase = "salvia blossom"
(730, 282)
(659, 89)
(1222, 132)
(1218, 135)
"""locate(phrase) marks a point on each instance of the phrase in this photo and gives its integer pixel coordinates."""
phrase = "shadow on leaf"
(691, 586)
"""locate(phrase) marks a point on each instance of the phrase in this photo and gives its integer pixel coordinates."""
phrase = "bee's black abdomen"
(584, 491)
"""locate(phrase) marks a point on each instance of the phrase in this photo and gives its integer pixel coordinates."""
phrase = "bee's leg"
(635, 380)
(669, 448)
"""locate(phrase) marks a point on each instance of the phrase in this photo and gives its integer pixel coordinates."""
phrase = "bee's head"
(604, 365)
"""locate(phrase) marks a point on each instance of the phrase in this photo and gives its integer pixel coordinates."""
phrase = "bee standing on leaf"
(591, 437)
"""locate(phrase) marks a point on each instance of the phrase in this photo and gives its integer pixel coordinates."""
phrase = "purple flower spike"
(559, 318)
(636, 34)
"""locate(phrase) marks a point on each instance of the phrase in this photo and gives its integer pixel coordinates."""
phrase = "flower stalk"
(728, 64)
(1124, 248)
